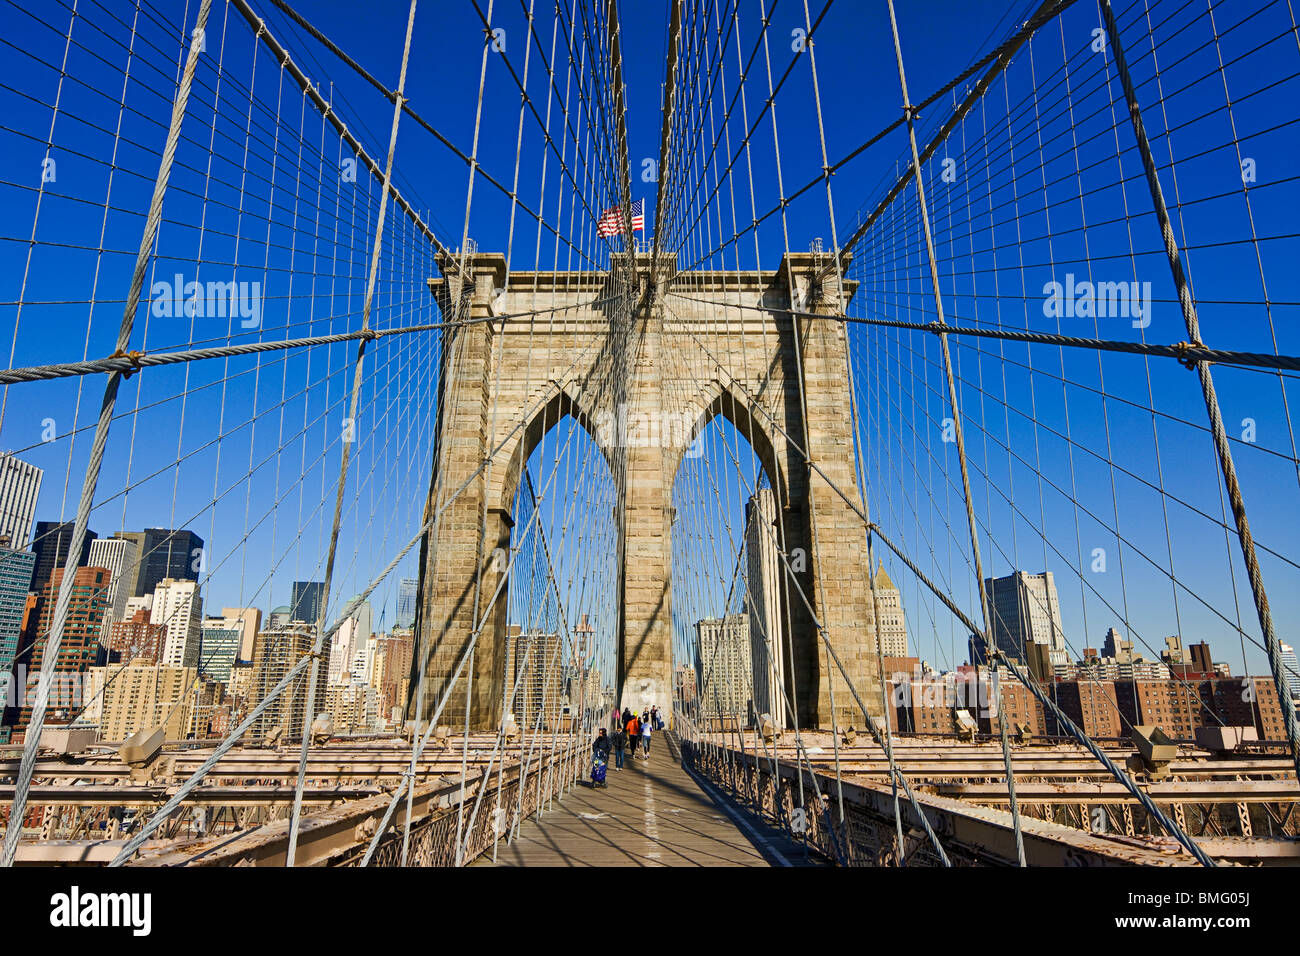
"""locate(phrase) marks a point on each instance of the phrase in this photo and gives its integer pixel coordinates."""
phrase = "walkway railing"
(866, 834)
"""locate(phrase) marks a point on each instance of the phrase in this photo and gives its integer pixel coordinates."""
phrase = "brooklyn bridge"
(883, 415)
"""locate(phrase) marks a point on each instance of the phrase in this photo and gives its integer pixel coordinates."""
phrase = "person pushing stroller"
(600, 759)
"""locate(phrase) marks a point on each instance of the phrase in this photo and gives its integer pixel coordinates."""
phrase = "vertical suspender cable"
(957, 429)
(295, 817)
(22, 786)
(1212, 408)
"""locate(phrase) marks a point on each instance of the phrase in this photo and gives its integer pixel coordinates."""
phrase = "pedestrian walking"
(620, 745)
(645, 738)
(633, 732)
(600, 759)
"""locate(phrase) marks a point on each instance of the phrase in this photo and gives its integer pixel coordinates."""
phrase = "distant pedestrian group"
(631, 732)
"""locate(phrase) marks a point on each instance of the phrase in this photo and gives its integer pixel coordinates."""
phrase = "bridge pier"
(617, 368)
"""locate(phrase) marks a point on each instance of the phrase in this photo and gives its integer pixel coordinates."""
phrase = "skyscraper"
(51, 546)
(535, 671)
(132, 581)
(218, 646)
(121, 558)
(79, 646)
(139, 695)
(767, 649)
(20, 486)
(1292, 668)
(15, 578)
(250, 620)
(168, 554)
(363, 659)
(891, 629)
(275, 653)
(390, 675)
(349, 638)
(726, 679)
(1026, 610)
(178, 607)
(135, 639)
(406, 593)
(306, 602)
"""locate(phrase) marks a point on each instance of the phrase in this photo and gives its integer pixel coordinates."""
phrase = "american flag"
(611, 220)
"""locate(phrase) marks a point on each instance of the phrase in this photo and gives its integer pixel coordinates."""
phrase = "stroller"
(598, 765)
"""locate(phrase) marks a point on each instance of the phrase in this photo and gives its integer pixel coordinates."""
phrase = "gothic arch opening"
(558, 616)
(731, 625)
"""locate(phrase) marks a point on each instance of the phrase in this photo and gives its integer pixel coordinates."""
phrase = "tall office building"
(890, 626)
(132, 582)
(218, 647)
(178, 607)
(165, 553)
(1026, 610)
(121, 557)
(363, 659)
(726, 679)
(350, 639)
(1292, 668)
(275, 653)
(354, 708)
(390, 675)
(79, 648)
(250, 622)
(767, 649)
(20, 486)
(15, 579)
(535, 669)
(136, 639)
(406, 592)
(684, 687)
(140, 695)
(53, 538)
(308, 596)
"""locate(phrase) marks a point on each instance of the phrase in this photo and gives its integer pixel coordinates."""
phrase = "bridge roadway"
(653, 813)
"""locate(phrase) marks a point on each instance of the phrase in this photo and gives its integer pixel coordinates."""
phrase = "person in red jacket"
(633, 732)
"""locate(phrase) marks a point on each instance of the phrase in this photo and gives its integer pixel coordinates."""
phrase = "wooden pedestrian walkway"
(653, 813)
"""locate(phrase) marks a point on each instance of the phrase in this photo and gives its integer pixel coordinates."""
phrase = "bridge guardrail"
(866, 835)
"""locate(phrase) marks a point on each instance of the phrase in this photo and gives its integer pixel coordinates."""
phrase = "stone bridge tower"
(613, 352)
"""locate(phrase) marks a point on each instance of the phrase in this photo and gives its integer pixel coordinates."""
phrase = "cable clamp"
(1183, 359)
(134, 356)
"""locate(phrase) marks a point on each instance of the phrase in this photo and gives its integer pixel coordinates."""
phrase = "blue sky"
(247, 199)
